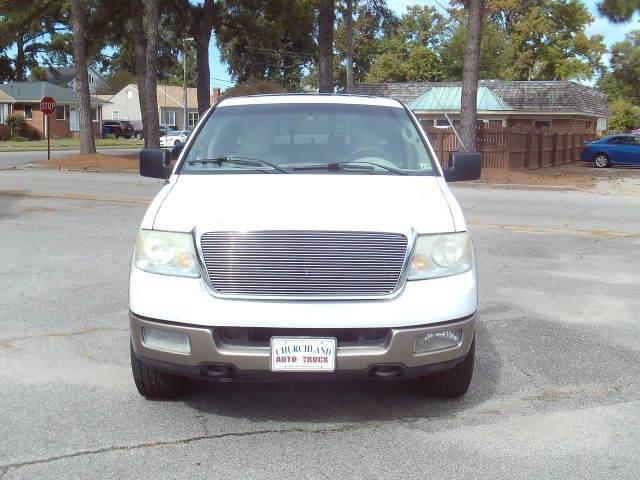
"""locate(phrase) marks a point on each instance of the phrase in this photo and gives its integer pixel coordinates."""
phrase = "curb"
(523, 186)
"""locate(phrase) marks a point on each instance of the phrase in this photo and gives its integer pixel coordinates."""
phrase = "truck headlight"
(167, 253)
(440, 256)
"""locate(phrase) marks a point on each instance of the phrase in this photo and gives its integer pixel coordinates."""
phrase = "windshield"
(308, 138)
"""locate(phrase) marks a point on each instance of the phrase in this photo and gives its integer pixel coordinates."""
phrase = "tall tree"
(496, 54)
(349, 42)
(548, 39)
(201, 18)
(625, 66)
(79, 13)
(619, 10)
(468, 113)
(372, 19)
(268, 40)
(152, 18)
(25, 27)
(326, 18)
(407, 51)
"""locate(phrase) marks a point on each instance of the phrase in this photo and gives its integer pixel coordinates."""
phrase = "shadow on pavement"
(345, 401)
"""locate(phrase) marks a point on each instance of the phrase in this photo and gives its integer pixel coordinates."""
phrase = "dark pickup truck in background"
(117, 128)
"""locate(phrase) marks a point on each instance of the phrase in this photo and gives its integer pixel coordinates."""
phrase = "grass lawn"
(67, 144)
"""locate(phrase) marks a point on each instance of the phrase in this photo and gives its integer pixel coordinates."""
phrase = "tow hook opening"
(387, 371)
(219, 372)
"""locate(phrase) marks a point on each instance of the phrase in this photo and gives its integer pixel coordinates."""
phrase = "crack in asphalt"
(6, 342)
(185, 441)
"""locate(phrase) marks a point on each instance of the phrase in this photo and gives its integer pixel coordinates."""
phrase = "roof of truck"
(310, 98)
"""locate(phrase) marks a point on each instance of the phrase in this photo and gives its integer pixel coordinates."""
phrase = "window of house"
(28, 112)
(4, 112)
(442, 122)
(543, 123)
(94, 114)
(193, 118)
(129, 93)
(495, 123)
(171, 117)
(60, 112)
(115, 115)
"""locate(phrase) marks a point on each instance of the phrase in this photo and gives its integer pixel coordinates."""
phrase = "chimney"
(216, 96)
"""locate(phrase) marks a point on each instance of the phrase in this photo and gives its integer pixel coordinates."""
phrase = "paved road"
(19, 159)
(555, 394)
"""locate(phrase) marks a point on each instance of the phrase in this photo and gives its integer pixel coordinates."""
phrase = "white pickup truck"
(304, 237)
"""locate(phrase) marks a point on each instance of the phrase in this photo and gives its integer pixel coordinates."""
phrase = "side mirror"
(177, 150)
(464, 166)
(155, 163)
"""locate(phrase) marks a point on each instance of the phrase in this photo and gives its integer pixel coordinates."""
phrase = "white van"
(304, 237)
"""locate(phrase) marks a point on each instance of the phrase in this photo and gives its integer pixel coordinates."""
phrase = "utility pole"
(349, 32)
(184, 83)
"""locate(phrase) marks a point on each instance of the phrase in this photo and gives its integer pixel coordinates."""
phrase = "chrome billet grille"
(304, 263)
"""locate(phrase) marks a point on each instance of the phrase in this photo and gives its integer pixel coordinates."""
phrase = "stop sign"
(48, 105)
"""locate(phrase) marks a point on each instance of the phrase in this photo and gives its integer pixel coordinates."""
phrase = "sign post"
(48, 108)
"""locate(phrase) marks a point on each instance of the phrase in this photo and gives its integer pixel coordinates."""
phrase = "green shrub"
(29, 132)
(625, 116)
(16, 123)
(21, 128)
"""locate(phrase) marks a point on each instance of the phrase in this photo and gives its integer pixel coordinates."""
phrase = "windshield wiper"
(344, 166)
(236, 160)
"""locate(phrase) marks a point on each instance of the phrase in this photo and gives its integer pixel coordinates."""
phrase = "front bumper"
(209, 358)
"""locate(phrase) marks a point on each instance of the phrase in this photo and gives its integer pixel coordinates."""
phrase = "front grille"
(304, 263)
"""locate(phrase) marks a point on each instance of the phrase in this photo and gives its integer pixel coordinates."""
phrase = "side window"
(636, 141)
(615, 140)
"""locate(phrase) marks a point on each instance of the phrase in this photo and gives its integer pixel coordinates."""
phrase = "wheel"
(454, 382)
(154, 384)
(139, 135)
(116, 134)
(601, 160)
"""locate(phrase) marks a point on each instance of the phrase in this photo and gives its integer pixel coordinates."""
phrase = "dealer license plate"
(300, 354)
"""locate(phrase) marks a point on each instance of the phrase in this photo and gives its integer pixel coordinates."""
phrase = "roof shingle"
(526, 96)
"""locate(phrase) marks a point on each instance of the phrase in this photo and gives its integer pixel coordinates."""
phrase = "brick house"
(559, 105)
(23, 98)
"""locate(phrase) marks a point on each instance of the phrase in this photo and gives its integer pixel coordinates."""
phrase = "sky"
(612, 33)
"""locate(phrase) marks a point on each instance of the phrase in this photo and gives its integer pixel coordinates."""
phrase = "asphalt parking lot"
(555, 392)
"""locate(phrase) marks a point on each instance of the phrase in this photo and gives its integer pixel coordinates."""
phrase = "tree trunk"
(203, 37)
(78, 22)
(349, 25)
(140, 50)
(20, 60)
(152, 14)
(326, 17)
(470, 72)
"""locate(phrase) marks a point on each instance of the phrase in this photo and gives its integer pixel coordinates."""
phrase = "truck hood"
(305, 202)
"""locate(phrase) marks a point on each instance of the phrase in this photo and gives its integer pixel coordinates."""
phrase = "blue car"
(613, 150)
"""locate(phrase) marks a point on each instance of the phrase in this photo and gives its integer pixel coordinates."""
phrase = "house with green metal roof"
(560, 105)
(23, 98)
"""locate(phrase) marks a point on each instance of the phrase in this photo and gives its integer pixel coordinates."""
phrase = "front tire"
(153, 384)
(454, 382)
(601, 161)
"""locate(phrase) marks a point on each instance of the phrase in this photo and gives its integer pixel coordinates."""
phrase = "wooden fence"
(506, 147)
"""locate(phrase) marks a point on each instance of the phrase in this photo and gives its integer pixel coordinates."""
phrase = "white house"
(125, 105)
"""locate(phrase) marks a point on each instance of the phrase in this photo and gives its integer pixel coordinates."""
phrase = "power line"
(221, 80)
